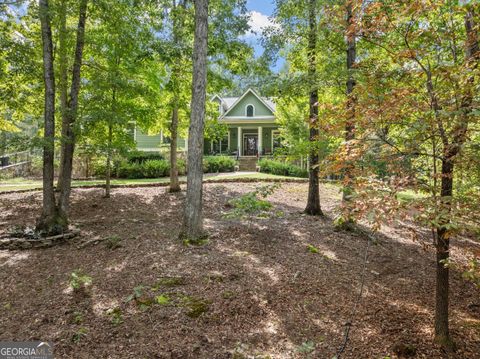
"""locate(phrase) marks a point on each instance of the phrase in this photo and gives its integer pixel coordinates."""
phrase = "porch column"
(239, 141)
(260, 140)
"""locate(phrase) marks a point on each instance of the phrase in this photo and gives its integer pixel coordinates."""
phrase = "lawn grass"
(18, 184)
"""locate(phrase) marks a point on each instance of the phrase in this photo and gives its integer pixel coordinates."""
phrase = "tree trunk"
(63, 82)
(451, 151)
(313, 202)
(193, 217)
(442, 334)
(108, 170)
(351, 101)
(71, 114)
(174, 183)
(48, 223)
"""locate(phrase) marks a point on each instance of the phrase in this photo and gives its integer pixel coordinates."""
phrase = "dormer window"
(249, 110)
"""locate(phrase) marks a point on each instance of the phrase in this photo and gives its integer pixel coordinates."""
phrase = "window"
(249, 110)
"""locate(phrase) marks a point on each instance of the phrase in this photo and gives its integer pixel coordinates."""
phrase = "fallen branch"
(91, 242)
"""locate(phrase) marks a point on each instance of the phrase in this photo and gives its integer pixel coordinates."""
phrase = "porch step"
(247, 163)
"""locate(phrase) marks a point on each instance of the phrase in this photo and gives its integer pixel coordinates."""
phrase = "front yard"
(256, 289)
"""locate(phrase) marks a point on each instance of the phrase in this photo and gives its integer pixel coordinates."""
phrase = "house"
(252, 130)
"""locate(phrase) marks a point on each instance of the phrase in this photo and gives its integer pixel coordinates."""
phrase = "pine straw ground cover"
(255, 290)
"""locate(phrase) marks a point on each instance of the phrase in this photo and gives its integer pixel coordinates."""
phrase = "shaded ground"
(254, 291)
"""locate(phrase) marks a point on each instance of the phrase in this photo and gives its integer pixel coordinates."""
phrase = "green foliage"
(143, 167)
(130, 171)
(137, 293)
(169, 282)
(213, 164)
(116, 316)
(79, 334)
(312, 249)
(281, 168)
(77, 317)
(162, 299)
(140, 156)
(252, 203)
(195, 306)
(473, 272)
(79, 280)
(147, 169)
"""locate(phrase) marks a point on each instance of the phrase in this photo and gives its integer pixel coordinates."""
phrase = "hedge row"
(148, 169)
(161, 168)
(140, 156)
(281, 169)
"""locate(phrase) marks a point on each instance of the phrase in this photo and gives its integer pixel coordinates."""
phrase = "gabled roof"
(229, 103)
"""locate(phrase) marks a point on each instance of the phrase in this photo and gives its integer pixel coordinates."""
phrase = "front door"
(250, 145)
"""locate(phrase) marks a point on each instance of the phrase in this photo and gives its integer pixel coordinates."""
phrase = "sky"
(260, 17)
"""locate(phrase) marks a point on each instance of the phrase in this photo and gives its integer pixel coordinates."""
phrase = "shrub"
(212, 164)
(281, 168)
(155, 168)
(129, 170)
(141, 157)
(148, 169)
(252, 203)
(99, 167)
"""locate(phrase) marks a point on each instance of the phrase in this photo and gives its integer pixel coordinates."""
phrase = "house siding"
(153, 142)
(260, 108)
(145, 141)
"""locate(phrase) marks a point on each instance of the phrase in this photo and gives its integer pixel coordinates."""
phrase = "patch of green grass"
(162, 299)
(195, 306)
(18, 184)
(195, 242)
(312, 248)
(409, 195)
(168, 282)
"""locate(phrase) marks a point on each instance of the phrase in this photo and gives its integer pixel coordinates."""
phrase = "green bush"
(141, 157)
(281, 169)
(99, 168)
(148, 169)
(129, 170)
(155, 168)
(213, 164)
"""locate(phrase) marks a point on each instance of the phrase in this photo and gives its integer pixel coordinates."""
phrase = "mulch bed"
(253, 291)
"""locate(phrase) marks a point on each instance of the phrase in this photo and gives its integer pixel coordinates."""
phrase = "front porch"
(246, 141)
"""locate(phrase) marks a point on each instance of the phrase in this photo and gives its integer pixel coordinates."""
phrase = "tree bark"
(442, 334)
(71, 114)
(174, 183)
(193, 216)
(48, 223)
(178, 24)
(108, 171)
(63, 82)
(451, 151)
(313, 202)
(351, 101)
